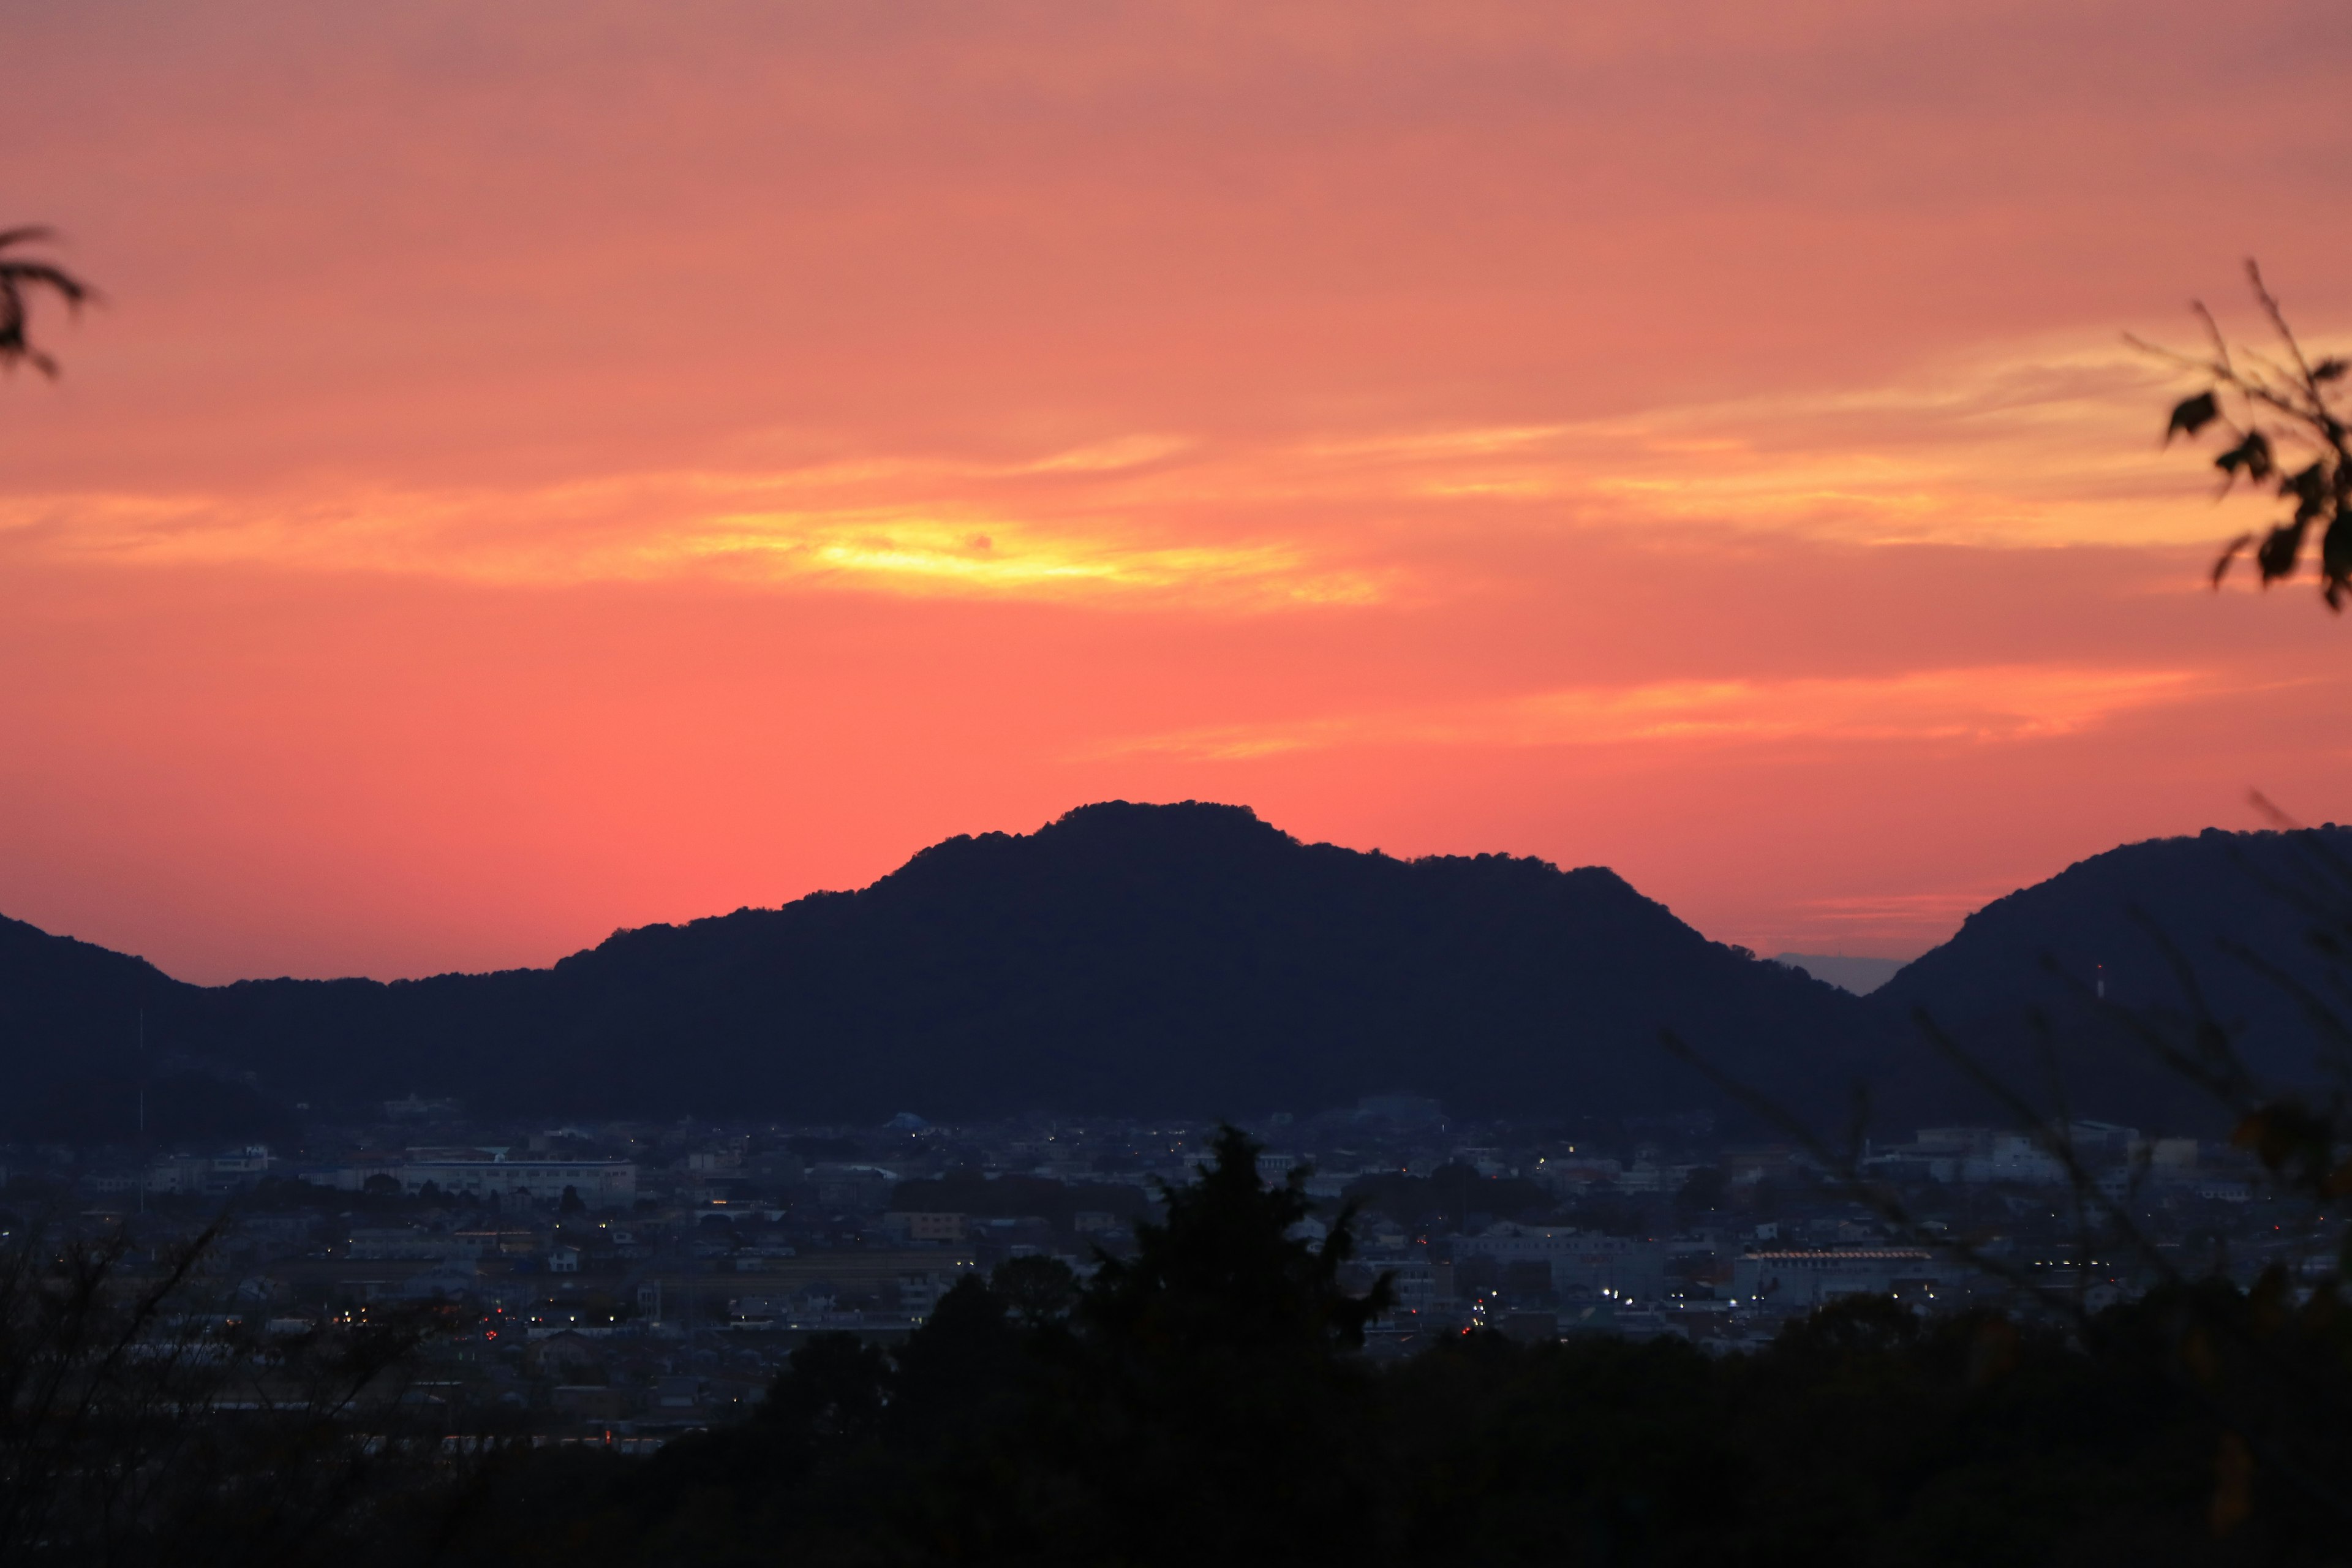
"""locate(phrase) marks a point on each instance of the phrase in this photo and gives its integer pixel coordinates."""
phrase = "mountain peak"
(1186, 959)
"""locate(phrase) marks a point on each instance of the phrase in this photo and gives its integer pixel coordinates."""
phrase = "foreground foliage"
(1203, 1404)
(140, 1425)
(2283, 428)
(1206, 1400)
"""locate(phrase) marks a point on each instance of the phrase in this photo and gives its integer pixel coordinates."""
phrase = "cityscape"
(625, 1283)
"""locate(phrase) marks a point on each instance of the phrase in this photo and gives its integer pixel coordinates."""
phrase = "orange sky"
(547, 468)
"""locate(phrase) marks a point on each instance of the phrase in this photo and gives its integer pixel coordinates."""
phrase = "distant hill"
(1859, 975)
(2146, 922)
(1183, 960)
(85, 1051)
(1180, 959)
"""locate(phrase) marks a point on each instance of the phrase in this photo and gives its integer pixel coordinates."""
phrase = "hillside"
(82, 1028)
(2147, 921)
(1186, 959)
(1182, 959)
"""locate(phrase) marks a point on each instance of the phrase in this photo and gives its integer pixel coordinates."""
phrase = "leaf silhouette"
(2191, 415)
(2252, 457)
(20, 279)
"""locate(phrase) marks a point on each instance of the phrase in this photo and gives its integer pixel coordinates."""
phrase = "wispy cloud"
(2037, 444)
(1107, 456)
(2032, 443)
(891, 527)
(1984, 705)
(1886, 910)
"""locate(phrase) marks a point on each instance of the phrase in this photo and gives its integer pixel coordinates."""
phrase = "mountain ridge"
(2152, 928)
(1132, 959)
(1180, 959)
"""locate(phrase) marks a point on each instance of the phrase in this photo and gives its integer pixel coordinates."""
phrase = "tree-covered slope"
(2229, 918)
(1127, 958)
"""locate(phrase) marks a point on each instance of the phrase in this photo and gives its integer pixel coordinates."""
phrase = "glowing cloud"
(2025, 448)
(662, 527)
(1973, 706)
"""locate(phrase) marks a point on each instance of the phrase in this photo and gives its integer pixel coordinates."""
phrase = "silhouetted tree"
(138, 1427)
(2284, 430)
(2264, 1373)
(1039, 1290)
(1203, 1401)
(20, 279)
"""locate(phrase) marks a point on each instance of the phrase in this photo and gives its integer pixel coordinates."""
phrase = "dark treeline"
(1205, 1403)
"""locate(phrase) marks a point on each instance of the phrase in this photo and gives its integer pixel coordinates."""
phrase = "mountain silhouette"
(1859, 975)
(1184, 959)
(82, 1043)
(2235, 924)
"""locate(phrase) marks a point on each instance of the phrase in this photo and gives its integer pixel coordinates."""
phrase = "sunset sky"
(547, 468)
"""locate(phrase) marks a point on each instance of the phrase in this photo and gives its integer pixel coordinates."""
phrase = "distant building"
(566, 1351)
(756, 1312)
(677, 1393)
(918, 1293)
(1648, 1176)
(1985, 1155)
(923, 1227)
(352, 1175)
(855, 1188)
(493, 1241)
(1575, 1259)
(407, 1242)
(1805, 1277)
(1414, 1284)
(1571, 1175)
(212, 1176)
(601, 1184)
